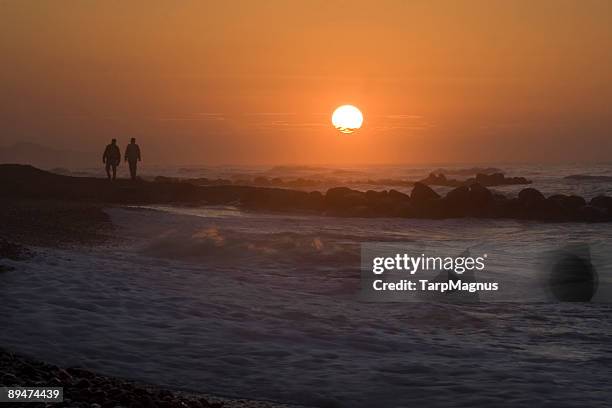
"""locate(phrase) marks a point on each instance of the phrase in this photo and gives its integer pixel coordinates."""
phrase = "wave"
(588, 177)
(228, 246)
(471, 171)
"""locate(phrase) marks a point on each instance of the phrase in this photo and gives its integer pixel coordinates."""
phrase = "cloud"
(200, 116)
(404, 116)
(270, 114)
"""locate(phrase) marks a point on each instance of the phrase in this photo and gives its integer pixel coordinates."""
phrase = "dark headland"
(22, 182)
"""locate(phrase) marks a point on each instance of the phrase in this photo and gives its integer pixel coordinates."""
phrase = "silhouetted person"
(132, 156)
(112, 158)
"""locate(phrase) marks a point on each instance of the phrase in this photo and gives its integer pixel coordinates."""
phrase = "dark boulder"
(459, 195)
(532, 205)
(277, 199)
(494, 179)
(405, 210)
(591, 213)
(398, 196)
(530, 195)
(480, 195)
(552, 209)
(423, 193)
(457, 201)
(603, 202)
(439, 180)
(379, 203)
(373, 196)
(570, 203)
(339, 199)
(358, 211)
(474, 200)
(498, 179)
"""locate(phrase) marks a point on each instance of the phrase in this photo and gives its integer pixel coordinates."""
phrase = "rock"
(80, 372)
(83, 383)
(382, 204)
(163, 394)
(55, 382)
(99, 395)
(147, 401)
(64, 376)
(10, 379)
(404, 210)
(373, 196)
(459, 195)
(495, 179)
(530, 195)
(457, 201)
(551, 209)
(570, 203)
(534, 206)
(499, 179)
(398, 196)
(480, 195)
(339, 198)
(278, 199)
(473, 200)
(591, 213)
(439, 180)
(603, 202)
(422, 193)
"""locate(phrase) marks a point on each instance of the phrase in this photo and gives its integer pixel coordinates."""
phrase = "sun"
(347, 118)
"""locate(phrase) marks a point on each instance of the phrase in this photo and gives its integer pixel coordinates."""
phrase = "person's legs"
(133, 165)
(114, 171)
(108, 168)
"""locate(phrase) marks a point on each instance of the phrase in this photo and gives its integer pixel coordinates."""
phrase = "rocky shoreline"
(474, 200)
(86, 389)
(30, 220)
(485, 180)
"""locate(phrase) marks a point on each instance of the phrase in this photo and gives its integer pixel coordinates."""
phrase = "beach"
(39, 230)
(264, 305)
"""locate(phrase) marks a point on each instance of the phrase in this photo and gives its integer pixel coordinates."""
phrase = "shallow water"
(266, 306)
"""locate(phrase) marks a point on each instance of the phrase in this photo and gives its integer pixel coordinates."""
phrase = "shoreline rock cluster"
(465, 201)
(486, 180)
(299, 183)
(472, 200)
(434, 179)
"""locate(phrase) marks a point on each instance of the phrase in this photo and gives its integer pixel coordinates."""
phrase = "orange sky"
(256, 81)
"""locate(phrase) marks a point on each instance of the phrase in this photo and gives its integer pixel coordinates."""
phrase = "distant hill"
(47, 157)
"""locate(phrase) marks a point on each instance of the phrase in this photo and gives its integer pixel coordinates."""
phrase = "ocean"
(267, 306)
